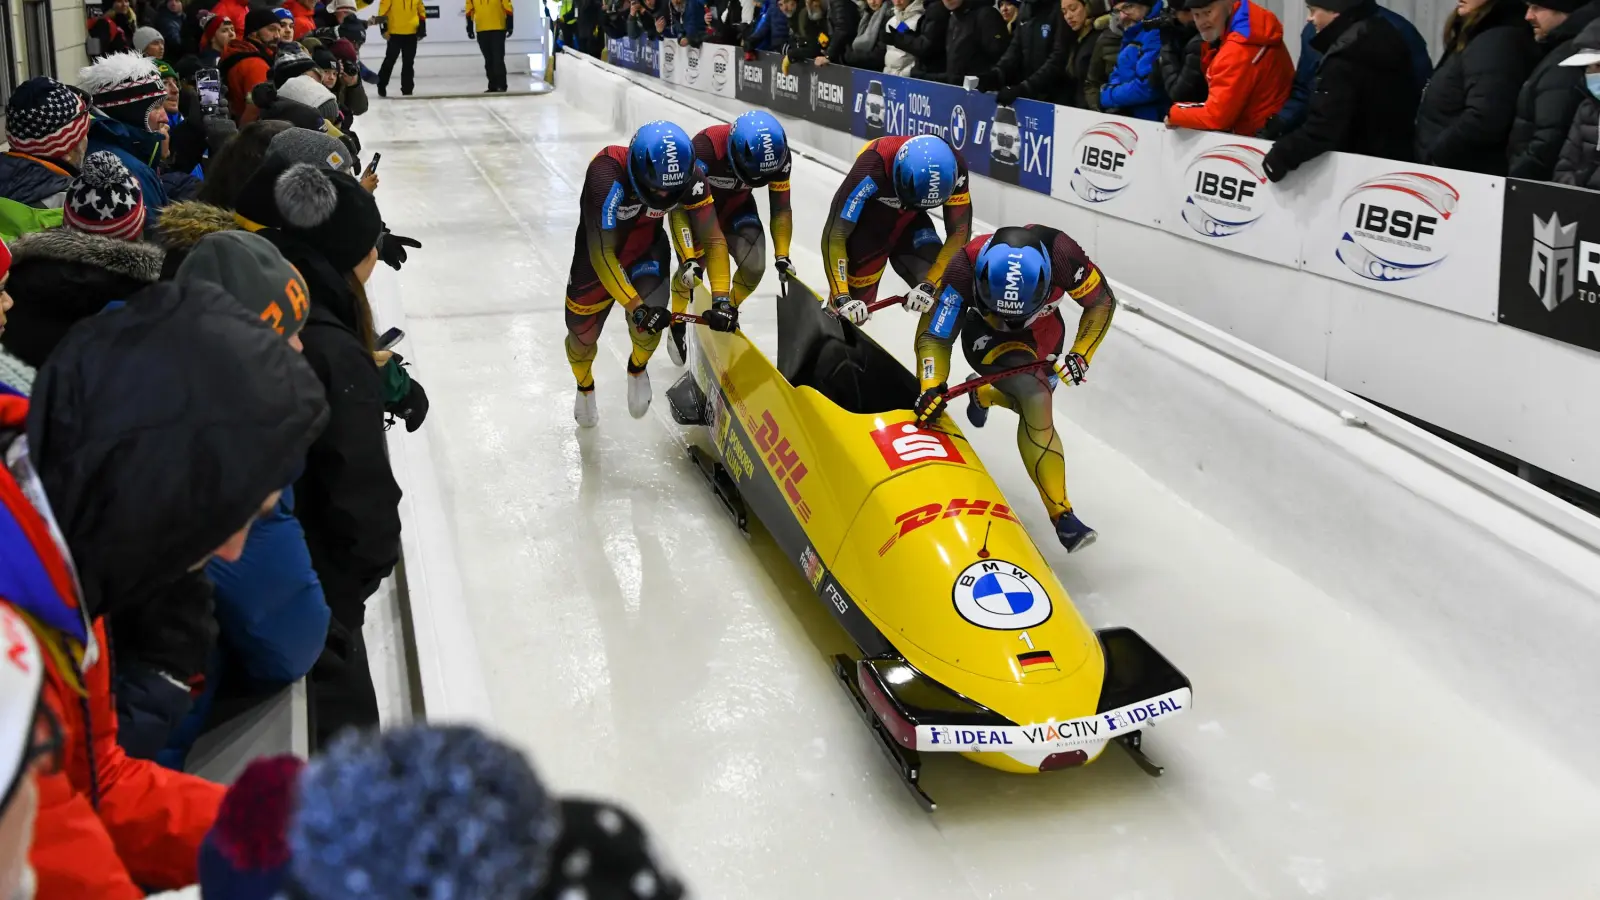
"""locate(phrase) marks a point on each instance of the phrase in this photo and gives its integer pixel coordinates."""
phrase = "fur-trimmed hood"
(183, 224)
(133, 259)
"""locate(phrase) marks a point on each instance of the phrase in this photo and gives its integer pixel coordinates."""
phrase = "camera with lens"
(348, 67)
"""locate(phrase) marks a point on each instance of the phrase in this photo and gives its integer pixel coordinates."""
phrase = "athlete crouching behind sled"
(739, 158)
(622, 254)
(880, 214)
(1001, 295)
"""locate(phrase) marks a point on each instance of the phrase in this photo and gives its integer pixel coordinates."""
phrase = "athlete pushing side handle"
(880, 214)
(1000, 296)
(622, 254)
(750, 153)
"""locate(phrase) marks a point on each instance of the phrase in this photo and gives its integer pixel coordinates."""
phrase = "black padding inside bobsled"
(837, 359)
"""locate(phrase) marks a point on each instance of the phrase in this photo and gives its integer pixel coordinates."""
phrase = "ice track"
(1367, 725)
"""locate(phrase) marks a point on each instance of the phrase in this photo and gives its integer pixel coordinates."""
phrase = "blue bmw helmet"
(924, 172)
(660, 163)
(757, 148)
(1012, 276)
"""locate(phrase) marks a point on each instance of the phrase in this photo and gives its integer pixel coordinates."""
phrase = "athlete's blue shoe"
(977, 413)
(1073, 534)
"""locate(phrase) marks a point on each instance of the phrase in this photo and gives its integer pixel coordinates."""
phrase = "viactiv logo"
(1100, 161)
(1225, 190)
(1396, 226)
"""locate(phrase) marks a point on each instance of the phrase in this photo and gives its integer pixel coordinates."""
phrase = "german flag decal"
(1036, 661)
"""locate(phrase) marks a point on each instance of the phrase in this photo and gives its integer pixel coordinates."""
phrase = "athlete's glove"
(919, 299)
(931, 404)
(690, 272)
(784, 266)
(722, 316)
(651, 319)
(471, 34)
(1074, 368)
(848, 307)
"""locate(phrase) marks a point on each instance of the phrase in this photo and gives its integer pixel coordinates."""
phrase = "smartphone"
(390, 338)
(372, 166)
(208, 82)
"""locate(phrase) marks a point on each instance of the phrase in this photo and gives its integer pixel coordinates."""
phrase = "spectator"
(1305, 72)
(433, 810)
(237, 12)
(903, 21)
(149, 42)
(491, 22)
(723, 21)
(930, 43)
(1105, 50)
(47, 127)
(1551, 95)
(1034, 65)
(130, 121)
(1182, 67)
(328, 226)
(220, 399)
(1465, 116)
(167, 18)
(1008, 11)
(121, 12)
(285, 24)
(1248, 69)
(292, 61)
(844, 20)
(646, 19)
(769, 31)
(235, 165)
(1579, 163)
(405, 23)
(216, 34)
(248, 62)
(1081, 18)
(868, 51)
(302, 17)
(808, 31)
(1135, 88)
(975, 39)
(30, 740)
(1363, 101)
(350, 90)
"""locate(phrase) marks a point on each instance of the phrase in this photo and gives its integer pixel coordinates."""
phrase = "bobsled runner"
(967, 642)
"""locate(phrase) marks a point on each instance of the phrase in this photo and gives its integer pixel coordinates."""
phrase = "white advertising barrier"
(709, 69)
(1217, 193)
(1425, 234)
(1054, 735)
(1110, 164)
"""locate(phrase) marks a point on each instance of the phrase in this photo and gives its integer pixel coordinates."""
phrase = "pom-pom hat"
(104, 199)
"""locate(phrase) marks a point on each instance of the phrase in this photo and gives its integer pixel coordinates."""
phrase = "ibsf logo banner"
(1396, 226)
(1550, 262)
(1100, 161)
(1225, 189)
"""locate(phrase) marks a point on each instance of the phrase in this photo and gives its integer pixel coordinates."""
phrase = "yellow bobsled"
(968, 642)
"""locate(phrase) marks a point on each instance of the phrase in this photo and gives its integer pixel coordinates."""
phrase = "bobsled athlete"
(622, 254)
(880, 215)
(1000, 296)
(752, 152)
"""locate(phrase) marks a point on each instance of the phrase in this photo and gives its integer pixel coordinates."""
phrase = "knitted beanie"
(104, 199)
(255, 273)
(292, 60)
(257, 19)
(343, 49)
(144, 36)
(46, 118)
(245, 856)
(166, 70)
(303, 145)
(310, 92)
(209, 23)
(421, 811)
(124, 86)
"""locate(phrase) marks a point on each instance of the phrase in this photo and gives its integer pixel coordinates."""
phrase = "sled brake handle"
(972, 384)
(885, 303)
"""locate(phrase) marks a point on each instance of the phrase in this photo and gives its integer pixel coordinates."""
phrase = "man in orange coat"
(1248, 74)
(248, 61)
(157, 432)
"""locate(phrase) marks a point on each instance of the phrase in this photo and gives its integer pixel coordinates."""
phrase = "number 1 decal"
(1023, 637)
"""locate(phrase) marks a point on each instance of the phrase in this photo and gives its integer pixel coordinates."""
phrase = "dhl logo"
(787, 469)
(923, 515)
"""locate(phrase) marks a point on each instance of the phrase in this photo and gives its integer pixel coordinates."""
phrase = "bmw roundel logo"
(958, 127)
(1000, 595)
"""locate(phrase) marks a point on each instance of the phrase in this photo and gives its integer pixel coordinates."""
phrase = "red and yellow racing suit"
(737, 216)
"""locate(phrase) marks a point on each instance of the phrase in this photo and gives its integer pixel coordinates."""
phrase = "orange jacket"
(244, 65)
(235, 10)
(1248, 77)
(304, 21)
(107, 823)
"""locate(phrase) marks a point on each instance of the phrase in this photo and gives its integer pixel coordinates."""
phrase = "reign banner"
(1550, 262)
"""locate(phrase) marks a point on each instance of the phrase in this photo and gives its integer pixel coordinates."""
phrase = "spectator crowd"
(1515, 89)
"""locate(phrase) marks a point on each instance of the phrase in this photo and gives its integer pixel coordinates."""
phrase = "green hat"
(166, 69)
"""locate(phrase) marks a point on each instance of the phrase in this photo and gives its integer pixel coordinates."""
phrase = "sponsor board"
(1054, 735)
(1000, 596)
(709, 69)
(636, 54)
(1216, 192)
(904, 444)
(1550, 262)
(1110, 165)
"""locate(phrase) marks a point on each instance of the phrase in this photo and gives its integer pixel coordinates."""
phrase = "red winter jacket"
(304, 22)
(235, 10)
(1248, 77)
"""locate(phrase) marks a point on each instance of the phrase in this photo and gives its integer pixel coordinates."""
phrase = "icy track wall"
(1436, 544)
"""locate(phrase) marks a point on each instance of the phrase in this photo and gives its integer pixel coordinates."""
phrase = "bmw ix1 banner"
(636, 54)
(1550, 262)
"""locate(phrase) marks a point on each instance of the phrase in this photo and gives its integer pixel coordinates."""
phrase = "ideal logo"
(1100, 161)
(1395, 226)
(1225, 187)
(1551, 271)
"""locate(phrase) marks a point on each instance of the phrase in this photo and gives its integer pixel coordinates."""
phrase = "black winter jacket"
(844, 18)
(60, 277)
(1035, 62)
(1548, 100)
(1466, 111)
(1579, 164)
(927, 43)
(1181, 70)
(975, 39)
(1363, 101)
(347, 499)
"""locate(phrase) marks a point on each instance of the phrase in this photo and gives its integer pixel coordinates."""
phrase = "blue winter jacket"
(771, 30)
(138, 149)
(1135, 87)
(694, 21)
(1305, 73)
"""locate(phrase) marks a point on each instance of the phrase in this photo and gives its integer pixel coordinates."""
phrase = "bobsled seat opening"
(837, 359)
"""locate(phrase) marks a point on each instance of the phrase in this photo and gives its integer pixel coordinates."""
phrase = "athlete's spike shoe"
(584, 410)
(1073, 534)
(977, 413)
(638, 392)
(677, 349)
